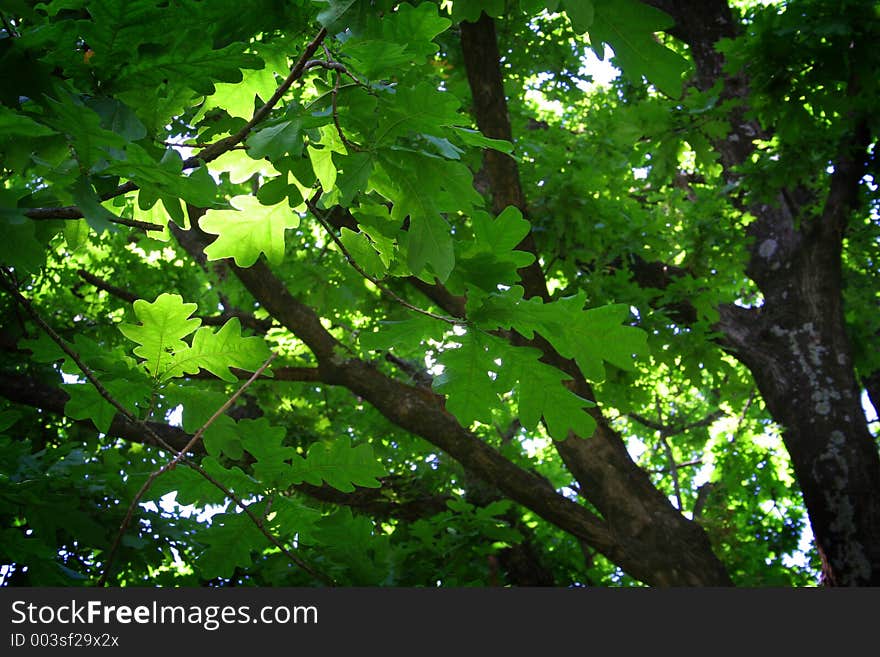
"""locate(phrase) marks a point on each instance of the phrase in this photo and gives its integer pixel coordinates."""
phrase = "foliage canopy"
(394, 293)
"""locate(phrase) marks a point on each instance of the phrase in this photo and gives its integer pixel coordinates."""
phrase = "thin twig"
(678, 466)
(101, 284)
(670, 456)
(57, 339)
(323, 63)
(247, 320)
(87, 372)
(332, 65)
(674, 430)
(310, 203)
(229, 402)
(285, 374)
(170, 465)
(199, 144)
(335, 110)
(258, 523)
(742, 416)
(673, 468)
(217, 149)
(207, 154)
(69, 212)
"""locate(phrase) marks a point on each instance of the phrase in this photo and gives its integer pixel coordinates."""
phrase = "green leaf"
(248, 230)
(483, 366)
(502, 234)
(230, 540)
(163, 325)
(115, 28)
(290, 516)
(20, 247)
(165, 178)
(276, 141)
(430, 244)
(580, 13)
(360, 248)
(335, 10)
(83, 128)
(628, 26)
(541, 393)
(197, 67)
(95, 214)
(393, 334)
(238, 99)
(235, 478)
(351, 542)
(223, 437)
(273, 459)
(340, 465)
(217, 352)
(443, 147)
(469, 388)
(415, 26)
(275, 190)
(86, 403)
(600, 336)
(198, 403)
(588, 336)
(8, 417)
(354, 172)
(475, 138)
(491, 258)
(15, 125)
(470, 10)
(419, 109)
(422, 187)
(241, 168)
(189, 488)
(117, 117)
(76, 233)
(322, 163)
(371, 58)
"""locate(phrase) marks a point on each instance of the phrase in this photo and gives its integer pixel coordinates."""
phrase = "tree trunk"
(796, 344)
(653, 540)
(798, 351)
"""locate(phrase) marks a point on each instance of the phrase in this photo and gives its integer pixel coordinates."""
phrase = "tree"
(391, 293)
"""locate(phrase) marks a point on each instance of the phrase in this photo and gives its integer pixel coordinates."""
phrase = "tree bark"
(647, 528)
(643, 534)
(796, 344)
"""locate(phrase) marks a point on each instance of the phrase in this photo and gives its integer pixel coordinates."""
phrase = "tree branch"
(482, 60)
(168, 465)
(71, 212)
(387, 501)
(676, 429)
(310, 203)
(207, 154)
(30, 392)
(339, 217)
(287, 374)
(113, 290)
(636, 511)
(218, 148)
(413, 408)
(248, 321)
(7, 280)
(843, 193)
